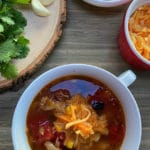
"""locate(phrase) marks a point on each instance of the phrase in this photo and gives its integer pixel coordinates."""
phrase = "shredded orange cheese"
(80, 117)
(139, 29)
(68, 125)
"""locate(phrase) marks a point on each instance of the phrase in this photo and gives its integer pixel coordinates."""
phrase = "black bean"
(97, 105)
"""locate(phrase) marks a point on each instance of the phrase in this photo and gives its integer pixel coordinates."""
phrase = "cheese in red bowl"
(134, 36)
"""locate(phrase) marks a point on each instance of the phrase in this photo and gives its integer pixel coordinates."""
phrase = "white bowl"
(107, 3)
(117, 84)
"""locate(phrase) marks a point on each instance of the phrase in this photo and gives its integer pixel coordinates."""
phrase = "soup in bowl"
(77, 107)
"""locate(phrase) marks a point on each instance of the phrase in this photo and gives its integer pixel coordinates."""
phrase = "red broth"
(65, 88)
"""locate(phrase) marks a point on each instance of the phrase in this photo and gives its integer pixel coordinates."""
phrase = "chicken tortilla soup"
(75, 113)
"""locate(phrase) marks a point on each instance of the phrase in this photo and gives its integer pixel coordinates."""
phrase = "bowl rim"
(132, 7)
(14, 128)
(106, 3)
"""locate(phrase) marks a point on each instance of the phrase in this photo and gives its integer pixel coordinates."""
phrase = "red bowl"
(126, 46)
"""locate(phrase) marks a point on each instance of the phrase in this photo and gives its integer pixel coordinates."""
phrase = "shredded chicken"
(50, 146)
(77, 119)
(47, 104)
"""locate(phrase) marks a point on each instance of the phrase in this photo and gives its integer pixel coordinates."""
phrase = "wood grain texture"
(89, 36)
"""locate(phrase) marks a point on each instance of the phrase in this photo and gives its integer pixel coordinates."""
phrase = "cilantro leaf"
(1, 28)
(22, 48)
(13, 45)
(12, 20)
(22, 1)
(17, 1)
(12, 31)
(18, 18)
(7, 20)
(8, 70)
(7, 50)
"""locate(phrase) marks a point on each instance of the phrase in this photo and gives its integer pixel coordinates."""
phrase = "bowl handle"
(127, 78)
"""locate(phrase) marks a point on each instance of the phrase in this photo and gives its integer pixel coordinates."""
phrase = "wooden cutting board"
(43, 33)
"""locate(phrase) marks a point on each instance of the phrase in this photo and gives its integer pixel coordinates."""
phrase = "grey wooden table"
(90, 37)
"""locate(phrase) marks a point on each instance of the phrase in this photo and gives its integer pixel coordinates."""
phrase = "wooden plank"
(89, 36)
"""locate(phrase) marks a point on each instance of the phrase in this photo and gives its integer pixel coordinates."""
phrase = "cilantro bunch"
(13, 45)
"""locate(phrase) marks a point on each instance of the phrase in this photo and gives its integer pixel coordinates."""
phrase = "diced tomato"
(102, 95)
(116, 133)
(40, 128)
